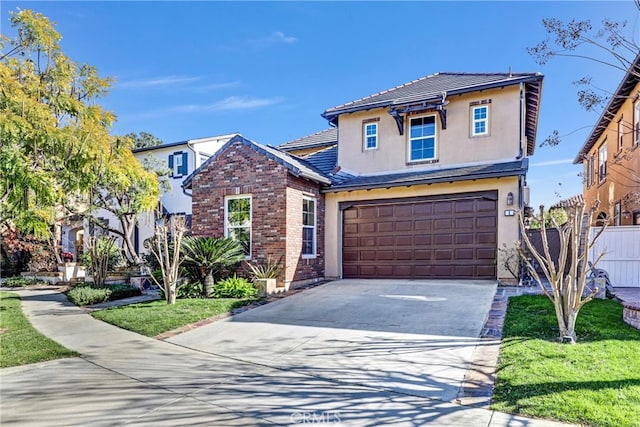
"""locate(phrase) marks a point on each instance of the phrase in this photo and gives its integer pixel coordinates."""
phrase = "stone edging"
(479, 380)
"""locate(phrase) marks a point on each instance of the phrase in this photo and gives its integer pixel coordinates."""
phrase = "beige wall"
(622, 183)
(507, 225)
(454, 145)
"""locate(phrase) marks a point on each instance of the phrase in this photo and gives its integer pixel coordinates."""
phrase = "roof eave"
(332, 113)
(624, 89)
(521, 171)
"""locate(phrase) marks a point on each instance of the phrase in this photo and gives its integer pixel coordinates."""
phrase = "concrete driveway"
(415, 338)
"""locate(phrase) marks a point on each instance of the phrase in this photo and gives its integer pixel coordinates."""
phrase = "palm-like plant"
(209, 255)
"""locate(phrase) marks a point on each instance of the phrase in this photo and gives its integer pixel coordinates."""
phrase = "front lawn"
(20, 343)
(155, 317)
(595, 382)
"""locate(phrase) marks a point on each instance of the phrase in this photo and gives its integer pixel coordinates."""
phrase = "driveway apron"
(414, 338)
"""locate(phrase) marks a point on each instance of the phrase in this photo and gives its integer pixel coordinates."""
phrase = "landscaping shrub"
(89, 294)
(234, 287)
(21, 282)
(188, 290)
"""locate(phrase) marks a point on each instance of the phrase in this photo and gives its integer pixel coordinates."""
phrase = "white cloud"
(274, 38)
(232, 103)
(159, 81)
(553, 162)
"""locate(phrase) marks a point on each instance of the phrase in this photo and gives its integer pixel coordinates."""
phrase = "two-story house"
(181, 159)
(419, 181)
(611, 157)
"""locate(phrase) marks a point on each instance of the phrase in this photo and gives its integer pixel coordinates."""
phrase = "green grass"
(155, 317)
(595, 382)
(20, 343)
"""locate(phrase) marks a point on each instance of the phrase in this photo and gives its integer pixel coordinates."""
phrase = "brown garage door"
(450, 236)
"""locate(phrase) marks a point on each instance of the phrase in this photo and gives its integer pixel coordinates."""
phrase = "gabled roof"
(185, 142)
(324, 138)
(436, 87)
(294, 165)
(497, 170)
(621, 94)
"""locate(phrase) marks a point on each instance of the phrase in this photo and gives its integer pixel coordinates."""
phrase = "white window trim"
(226, 219)
(602, 162)
(474, 121)
(366, 136)
(435, 139)
(314, 227)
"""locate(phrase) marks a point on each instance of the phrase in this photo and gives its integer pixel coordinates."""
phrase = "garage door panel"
(404, 241)
(385, 255)
(385, 227)
(464, 271)
(367, 227)
(485, 222)
(385, 241)
(402, 270)
(403, 211)
(483, 253)
(367, 242)
(441, 237)
(404, 226)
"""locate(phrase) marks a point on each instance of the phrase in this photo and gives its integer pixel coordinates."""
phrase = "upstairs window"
(237, 221)
(308, 227)
(636, 123)
(178, 165)
(602, 162)
(370, 136)
(588, 172)
(422, 138)
(620, 133)
(480, 120)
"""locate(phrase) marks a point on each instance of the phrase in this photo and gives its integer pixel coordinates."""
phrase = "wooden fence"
(621, 247)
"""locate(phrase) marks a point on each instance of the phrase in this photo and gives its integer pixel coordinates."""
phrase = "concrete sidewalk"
(125, 378)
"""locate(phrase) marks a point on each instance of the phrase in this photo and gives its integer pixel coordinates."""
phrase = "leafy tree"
(54, 135)
(125, 189)
(144, 139)
(210, 256)
(553, 215)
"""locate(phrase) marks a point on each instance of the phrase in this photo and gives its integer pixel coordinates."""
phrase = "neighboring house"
(181, 158)
(611, 157)
(419, 181)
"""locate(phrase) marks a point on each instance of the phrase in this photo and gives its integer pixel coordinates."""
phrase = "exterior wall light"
(510, 199)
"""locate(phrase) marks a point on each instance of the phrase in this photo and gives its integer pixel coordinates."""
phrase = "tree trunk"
(171, 294)
(208, 284)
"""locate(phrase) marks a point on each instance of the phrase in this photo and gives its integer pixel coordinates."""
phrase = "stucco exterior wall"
(508, 228)
(623, 169)
(455, 145)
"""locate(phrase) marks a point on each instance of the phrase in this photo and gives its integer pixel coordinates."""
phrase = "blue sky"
(268, 70)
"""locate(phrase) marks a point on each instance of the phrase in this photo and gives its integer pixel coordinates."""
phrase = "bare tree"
(568, 274)
(165, 246)
(608, 45)
(100, 250)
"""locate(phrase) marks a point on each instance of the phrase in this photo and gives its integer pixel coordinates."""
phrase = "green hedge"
(88, 294)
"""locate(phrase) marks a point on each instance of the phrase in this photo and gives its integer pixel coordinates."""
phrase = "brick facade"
(276, 208)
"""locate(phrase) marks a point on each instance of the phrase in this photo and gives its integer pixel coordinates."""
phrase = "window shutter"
(170, 164)
(185, 167)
